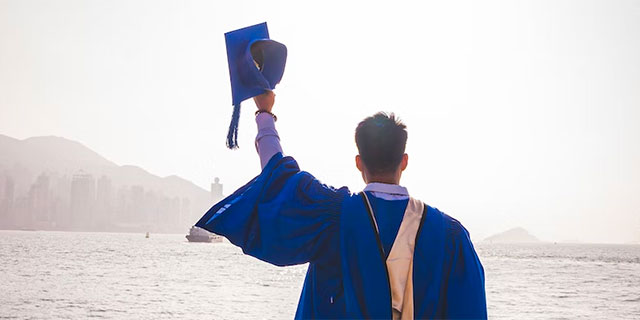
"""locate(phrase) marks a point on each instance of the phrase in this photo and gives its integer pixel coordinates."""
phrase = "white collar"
(387, 188)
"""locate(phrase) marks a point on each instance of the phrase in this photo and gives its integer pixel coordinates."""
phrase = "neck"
(387, 180)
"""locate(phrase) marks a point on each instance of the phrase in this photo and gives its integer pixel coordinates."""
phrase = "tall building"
(83, 198)
(174, 212)
(150, 210)
(104, 200)
(6, 202)
(60, 187)
(216, 190)
(39, 204)
(185, 212)
(136, 209)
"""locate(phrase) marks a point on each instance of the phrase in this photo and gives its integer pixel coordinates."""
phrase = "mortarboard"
(256, 64)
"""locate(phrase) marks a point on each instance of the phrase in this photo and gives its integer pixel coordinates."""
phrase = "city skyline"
(87, 199)
(83, 202)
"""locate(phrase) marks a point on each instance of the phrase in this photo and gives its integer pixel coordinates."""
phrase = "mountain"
(30, 157)
(515, 235)
(40, 153)
(135, 196)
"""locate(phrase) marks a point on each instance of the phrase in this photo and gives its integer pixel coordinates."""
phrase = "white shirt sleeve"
(267, 140)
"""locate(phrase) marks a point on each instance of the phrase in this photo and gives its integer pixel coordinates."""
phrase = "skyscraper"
(216, 190)
(83, 198)
(39, 204)
(6, 202)
(104, 200)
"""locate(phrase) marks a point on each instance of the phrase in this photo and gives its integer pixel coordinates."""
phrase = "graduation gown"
(285, 216)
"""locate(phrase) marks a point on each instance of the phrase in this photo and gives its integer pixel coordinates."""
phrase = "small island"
(515, 235)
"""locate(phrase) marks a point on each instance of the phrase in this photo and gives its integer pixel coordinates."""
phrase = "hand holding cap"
(256, 65)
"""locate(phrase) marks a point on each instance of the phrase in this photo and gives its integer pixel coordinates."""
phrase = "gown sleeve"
(465, 293)
(283, 216)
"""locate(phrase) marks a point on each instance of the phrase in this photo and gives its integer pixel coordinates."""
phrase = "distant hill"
(26, 159)
(23, 161)
(38, 153)
(515, 235)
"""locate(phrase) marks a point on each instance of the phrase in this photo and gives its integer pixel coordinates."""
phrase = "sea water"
(73, 275)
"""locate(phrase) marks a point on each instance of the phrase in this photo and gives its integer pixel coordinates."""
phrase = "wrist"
(275, 118)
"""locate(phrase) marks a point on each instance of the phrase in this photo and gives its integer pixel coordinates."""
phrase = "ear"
(359, 163)
(405, 162)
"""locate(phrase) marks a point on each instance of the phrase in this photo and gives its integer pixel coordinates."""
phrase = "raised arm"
(283, 216)
(267, 140)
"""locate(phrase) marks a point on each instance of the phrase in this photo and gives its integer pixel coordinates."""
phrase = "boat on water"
(200, 235)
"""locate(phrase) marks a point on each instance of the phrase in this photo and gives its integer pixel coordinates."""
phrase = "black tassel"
(232, 136)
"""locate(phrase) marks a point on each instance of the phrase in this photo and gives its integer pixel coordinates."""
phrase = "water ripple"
(48, 275)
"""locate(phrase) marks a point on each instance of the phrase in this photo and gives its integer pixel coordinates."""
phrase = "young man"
(377, 254)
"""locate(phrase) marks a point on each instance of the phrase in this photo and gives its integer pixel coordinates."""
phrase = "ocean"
(75, 275)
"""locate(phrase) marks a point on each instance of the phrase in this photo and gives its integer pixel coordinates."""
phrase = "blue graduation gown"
(285, 216)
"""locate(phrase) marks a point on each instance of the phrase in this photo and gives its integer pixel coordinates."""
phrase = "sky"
(520, 113)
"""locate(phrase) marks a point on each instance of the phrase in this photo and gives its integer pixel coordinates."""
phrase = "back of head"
(381, 141)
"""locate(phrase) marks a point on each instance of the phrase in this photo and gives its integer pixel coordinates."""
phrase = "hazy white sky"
(520, 113)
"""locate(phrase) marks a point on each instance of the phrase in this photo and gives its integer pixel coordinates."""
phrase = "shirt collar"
(387, 188)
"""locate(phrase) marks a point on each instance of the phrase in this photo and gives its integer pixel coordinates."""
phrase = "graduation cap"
(256, 64)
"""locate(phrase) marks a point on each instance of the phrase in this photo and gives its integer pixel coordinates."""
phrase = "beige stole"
(400, 260)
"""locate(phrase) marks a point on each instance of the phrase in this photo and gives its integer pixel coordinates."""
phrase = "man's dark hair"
(381, 141)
